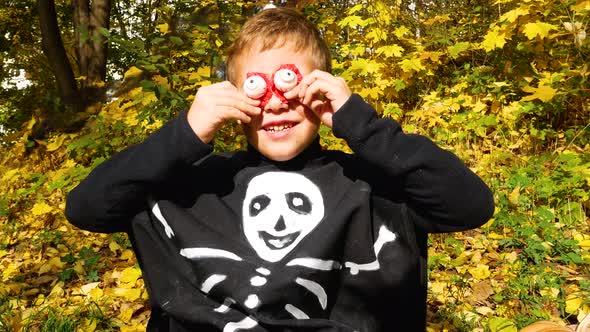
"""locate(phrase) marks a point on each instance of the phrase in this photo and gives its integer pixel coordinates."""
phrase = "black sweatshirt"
(327, 241)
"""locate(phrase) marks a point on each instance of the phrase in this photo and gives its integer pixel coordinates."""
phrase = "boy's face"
(283, 130)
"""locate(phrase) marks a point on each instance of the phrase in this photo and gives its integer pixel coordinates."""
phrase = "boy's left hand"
(323, 93)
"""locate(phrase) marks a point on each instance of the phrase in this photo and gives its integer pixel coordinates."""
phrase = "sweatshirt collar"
(307, 157)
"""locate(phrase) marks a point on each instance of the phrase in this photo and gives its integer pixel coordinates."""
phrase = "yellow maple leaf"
(514, 14)
(480, 272)
(493, 39)
(572, 303)
(130, 275)
(401, 31)
(409, 65)
(544, 93)
(541, 29)
(41, 208)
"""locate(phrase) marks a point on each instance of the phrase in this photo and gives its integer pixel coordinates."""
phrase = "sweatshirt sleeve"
(442, 194)
(118, 189)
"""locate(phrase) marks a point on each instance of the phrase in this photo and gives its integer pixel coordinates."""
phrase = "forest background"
(503, 84)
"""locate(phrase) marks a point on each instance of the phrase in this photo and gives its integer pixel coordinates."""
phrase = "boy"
(283, 236)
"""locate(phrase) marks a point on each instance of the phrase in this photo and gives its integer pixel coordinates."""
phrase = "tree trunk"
(91, 45)
(55, 52)
(82, 36)
(99, 19)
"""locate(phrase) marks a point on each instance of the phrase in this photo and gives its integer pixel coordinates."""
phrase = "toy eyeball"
(285, 79)
(255, 86)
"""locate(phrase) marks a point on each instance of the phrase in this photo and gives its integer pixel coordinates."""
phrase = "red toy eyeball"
(255, 86)
(285, 79)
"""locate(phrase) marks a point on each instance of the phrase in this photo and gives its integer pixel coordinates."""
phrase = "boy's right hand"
(216, 104)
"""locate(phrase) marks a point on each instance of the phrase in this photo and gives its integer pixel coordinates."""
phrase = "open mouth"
(278, 242)
(280, 127)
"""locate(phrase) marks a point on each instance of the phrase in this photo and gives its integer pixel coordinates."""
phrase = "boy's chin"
(276, 153)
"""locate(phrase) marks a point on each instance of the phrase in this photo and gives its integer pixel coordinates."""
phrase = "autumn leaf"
(572, 303)
(132, 72)
(41, 209)
(544, 93)
(456, 49)
(514, 14)
(501, 324)
(411, 65)
(480, 272)
(493, 39)
(130, 275)
(390, 50)
(538, 29)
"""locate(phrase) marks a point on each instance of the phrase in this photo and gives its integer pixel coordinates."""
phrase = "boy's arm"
(442, 193)
(119, 188)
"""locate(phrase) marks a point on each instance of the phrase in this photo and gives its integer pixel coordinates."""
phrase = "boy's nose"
(275, 104)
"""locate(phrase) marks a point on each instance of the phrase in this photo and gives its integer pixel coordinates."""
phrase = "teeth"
(278, 128)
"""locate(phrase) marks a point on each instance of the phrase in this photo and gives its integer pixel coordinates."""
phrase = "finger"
(293, 93)
(317, 90)
(240, 104)
(231, 113)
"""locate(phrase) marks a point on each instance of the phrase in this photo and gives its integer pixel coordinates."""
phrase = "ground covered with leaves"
(508, 93)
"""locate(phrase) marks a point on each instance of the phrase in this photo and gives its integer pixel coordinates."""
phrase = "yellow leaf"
(514, 195)
(56, 262)
(581, 6)
(541, 29)
(130, 294)
(390, 50)
(56, 143)
(41, 208)
(164, 28)
(204, 71)
(114, 247)
(88, 325)
(401, 31)
(493, 39)
(480, 272)
(57, 291)
(132, 72)
(11, 175)
(572, 303)
(409, 65)
(127, 254)
(130, 275)
(544, 93)
(95, 293)
(3, 253)
(44, 269)
(514, 14)
(125, 315)
(456, 49)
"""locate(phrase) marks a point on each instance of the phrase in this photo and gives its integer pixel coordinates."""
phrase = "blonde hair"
(273, 28)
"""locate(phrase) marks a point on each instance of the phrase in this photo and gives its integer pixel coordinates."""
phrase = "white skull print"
(279, 210)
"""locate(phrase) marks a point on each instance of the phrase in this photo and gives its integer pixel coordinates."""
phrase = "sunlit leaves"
(390, 50)
(458, 48)
(494, 38)
(538, 29)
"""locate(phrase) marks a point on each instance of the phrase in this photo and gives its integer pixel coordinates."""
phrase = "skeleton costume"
(324, 242)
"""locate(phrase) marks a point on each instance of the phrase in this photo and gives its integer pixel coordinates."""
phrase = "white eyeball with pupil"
(285, 79)
(255, 87)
